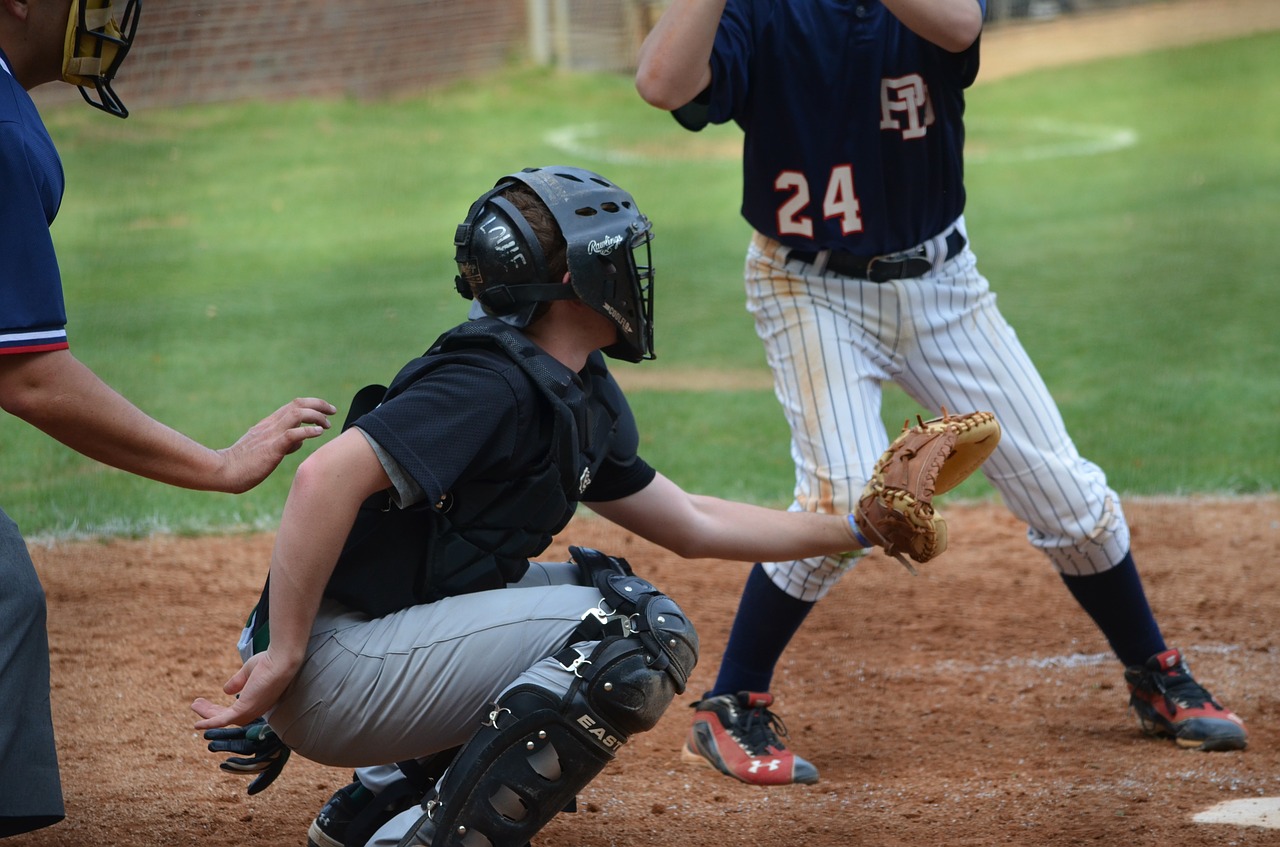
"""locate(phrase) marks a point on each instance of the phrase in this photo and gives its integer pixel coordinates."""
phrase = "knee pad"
(633, 608)
(539, 748)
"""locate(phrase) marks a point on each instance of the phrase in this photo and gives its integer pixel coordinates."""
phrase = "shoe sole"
(317, 838)
(1211, 744)
(1217, 745)
(689, 757)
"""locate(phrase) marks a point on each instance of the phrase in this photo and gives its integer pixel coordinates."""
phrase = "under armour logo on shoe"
(772, 764)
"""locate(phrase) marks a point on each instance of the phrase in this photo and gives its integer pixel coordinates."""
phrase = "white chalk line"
(577, 140)
(1053, 140)
(1061, 140)
(1071, 660)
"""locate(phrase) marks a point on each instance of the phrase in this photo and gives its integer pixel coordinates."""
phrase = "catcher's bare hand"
(257, 686)
(260, 450)
(895, 510)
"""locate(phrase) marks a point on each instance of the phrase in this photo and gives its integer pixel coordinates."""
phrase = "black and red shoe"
(1169, 703)
(738, 736)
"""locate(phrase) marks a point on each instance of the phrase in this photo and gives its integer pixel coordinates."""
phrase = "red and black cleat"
(738, 736)
(1169, 703)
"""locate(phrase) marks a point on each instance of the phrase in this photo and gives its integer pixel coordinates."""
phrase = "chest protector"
(481, 534)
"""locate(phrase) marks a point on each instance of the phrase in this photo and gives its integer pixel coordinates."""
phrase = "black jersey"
(504, 441)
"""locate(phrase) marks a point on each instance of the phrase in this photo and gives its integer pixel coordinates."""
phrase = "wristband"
(857, 535)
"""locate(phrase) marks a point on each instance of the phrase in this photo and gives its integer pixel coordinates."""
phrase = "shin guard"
(538, 748)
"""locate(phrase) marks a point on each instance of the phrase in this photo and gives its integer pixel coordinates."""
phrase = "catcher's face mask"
(99, 35)
(607, 241)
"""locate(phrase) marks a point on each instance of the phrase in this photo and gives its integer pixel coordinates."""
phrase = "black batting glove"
(260, 752)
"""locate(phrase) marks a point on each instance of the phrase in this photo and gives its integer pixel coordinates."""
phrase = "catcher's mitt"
(895, 510)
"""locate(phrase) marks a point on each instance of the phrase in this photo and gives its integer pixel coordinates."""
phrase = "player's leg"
(968, 357)
(415, 682)
(377, 793)
(420, 681)
(30, 790)
(557, 725)
(827, 379)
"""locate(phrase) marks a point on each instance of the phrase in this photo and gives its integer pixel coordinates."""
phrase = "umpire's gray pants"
(30, 790)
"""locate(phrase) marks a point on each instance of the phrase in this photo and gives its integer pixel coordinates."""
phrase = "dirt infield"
(1014, 47)
(971, 705)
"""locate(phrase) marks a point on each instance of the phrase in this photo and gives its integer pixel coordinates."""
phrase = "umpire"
(81, 42)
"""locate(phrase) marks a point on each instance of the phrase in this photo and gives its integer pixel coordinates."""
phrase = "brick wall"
(200, 52)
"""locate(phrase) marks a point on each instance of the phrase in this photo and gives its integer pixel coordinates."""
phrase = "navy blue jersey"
(32, 315)
(881, 171)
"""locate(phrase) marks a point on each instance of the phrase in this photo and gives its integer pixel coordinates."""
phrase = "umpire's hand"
(260, 450)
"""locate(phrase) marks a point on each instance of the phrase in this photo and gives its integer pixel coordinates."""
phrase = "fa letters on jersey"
(905, 106)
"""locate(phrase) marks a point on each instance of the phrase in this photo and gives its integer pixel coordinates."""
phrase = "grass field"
(220, 260)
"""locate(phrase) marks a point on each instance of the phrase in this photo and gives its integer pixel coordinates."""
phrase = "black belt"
(909, 265)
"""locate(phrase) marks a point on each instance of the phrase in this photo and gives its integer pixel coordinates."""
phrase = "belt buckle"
(883, 269)
(874, 274)
(905, 265)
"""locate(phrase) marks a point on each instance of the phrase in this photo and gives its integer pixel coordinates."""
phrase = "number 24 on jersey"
(839, 201)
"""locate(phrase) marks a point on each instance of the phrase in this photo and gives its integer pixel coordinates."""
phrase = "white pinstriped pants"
(832, 341)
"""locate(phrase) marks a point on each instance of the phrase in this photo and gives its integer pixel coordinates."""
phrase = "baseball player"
(403, 621)
(861, 271)
(82, 42)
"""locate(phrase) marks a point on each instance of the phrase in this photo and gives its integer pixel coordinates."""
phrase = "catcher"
(404, 628)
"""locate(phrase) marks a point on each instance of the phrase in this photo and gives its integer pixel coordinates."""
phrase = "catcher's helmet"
(99, 35)
(504, 267)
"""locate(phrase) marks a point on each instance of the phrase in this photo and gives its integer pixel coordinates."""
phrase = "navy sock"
(1118, 605)
(767, 619)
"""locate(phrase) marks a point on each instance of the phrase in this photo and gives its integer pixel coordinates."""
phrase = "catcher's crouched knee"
(635, 670)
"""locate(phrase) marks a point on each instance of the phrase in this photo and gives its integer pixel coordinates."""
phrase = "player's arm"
(321, 507)
(62, 397)
(951, 24)
(696, 526)
(675, 59)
